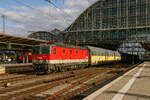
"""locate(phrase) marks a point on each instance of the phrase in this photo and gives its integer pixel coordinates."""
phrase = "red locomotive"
(55, 57)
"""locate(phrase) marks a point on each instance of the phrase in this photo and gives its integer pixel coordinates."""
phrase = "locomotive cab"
(40, 57)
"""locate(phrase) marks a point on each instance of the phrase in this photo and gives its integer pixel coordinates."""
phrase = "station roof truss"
(10, 42)
(110, 21)
(43, 35)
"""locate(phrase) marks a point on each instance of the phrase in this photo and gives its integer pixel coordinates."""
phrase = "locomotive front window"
(45, 50)
(36, 50)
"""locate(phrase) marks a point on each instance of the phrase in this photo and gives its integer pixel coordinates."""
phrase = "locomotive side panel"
(68, 58)
(62, 55)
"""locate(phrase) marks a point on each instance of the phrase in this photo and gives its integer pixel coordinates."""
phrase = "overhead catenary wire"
(20, 2)
(16, 21)
(53, 3)
(55, 18)
(29, 6)
(49, 1)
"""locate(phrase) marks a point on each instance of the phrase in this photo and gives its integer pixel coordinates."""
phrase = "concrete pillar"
(9, 46)
(23, 59)
(27, 60)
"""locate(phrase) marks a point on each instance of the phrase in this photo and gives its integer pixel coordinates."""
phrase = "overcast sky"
(24, 16)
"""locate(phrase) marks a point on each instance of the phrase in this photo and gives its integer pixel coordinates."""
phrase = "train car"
(49, 58)
(128, 58)
(102, 56)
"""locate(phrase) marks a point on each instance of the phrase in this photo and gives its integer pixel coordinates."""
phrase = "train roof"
(67, 46)
(96, 50)
(100, 49)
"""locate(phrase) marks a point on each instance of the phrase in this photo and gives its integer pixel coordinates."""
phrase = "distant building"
(43, 35)
(56, 31)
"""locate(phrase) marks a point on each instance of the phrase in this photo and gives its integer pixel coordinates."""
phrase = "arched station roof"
(110, 22)
(43, 35)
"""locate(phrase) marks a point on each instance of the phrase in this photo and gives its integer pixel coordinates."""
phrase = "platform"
(14, 68)
(133, 85)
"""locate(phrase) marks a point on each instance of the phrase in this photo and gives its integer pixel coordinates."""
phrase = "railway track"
(57, 86)
(83, 77)
(14, 90)
(14, 78)
(6, 74)
(74, 84)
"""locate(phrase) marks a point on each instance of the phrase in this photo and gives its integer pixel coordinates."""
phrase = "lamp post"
(4, 17)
